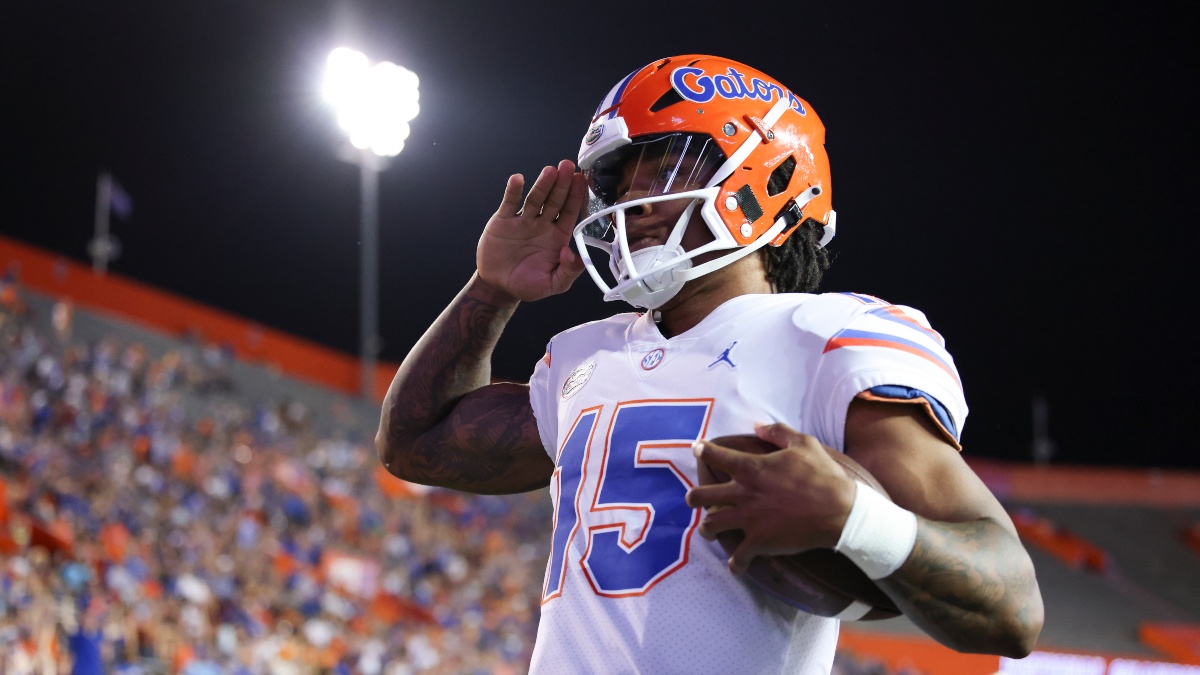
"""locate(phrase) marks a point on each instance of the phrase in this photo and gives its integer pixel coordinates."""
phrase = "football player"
(706, 184)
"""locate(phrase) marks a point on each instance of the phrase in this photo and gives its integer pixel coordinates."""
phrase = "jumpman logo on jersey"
(725, 357)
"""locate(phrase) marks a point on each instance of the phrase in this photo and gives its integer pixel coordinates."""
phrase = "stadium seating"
(181, 512)
(174, 504)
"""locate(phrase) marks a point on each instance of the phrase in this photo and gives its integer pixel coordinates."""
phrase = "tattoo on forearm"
(966, 583)
(429, 411)
(491, 423)
(452, 360)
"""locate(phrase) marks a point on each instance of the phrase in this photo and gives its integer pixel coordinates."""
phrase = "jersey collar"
(644, 331)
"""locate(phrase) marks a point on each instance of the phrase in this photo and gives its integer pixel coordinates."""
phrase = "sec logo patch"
(577, 379)
(650, 361)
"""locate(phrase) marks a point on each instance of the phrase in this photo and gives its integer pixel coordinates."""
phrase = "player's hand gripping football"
(524, 247)
(788, 501)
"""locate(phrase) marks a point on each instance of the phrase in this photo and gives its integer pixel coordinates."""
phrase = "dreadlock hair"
(796, 265)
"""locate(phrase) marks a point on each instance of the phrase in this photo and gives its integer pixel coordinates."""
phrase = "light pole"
(374, 105)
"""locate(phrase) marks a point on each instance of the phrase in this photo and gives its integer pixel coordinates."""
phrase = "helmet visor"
(650, 166)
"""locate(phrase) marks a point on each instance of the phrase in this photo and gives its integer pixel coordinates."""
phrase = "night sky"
(1026, 175)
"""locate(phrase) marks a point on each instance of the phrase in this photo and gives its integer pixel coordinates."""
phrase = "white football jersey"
(630, 586)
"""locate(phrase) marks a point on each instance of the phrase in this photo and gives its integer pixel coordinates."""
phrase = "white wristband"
(879, 536)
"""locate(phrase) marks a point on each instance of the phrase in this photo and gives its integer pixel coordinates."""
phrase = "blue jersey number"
(636, 523)
(571, 460)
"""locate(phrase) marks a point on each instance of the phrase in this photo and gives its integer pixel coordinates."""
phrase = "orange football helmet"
(747, 153)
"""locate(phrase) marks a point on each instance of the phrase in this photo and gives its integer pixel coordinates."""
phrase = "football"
(821, 581)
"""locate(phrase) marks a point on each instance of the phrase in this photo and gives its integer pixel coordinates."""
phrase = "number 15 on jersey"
(631, 520)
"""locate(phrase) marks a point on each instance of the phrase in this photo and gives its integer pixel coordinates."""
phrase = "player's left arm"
(968, 582)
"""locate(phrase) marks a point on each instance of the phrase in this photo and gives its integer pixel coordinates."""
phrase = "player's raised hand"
(788, 501)
(524, 247)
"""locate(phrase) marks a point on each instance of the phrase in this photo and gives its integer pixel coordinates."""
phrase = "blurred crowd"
(137, 538)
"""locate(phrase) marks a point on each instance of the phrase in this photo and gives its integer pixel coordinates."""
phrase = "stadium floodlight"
(374, 104)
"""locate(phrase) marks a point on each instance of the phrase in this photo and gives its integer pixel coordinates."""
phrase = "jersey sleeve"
(543, 403)
(885, 352)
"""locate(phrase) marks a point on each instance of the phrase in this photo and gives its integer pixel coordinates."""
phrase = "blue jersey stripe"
(901, 392)
(882, 313)
(861, 298)
(621, 90)
(887, 337)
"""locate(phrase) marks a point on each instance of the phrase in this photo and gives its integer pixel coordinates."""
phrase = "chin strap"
(639, 293)
(730, 258)
(793, 214)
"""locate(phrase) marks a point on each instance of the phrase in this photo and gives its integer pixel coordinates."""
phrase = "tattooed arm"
(442, 423)
(969, 582)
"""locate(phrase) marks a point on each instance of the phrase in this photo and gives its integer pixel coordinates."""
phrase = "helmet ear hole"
(781, 176)
(670, 98)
